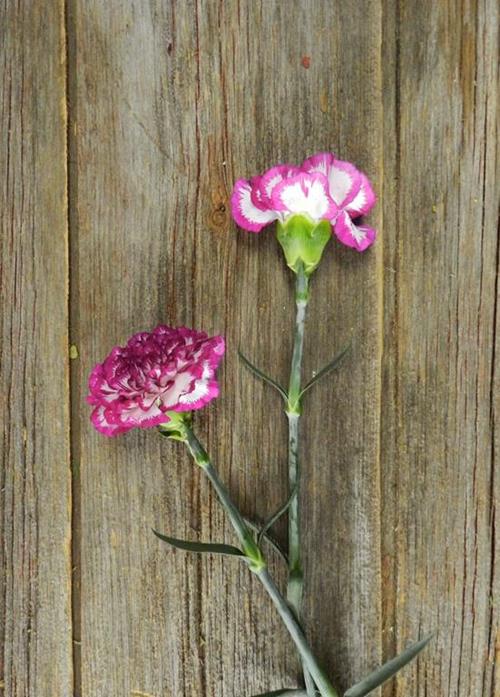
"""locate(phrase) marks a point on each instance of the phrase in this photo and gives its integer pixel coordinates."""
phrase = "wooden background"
(124, 124)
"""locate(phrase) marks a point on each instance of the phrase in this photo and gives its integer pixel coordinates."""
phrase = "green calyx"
(175, 428)
(303, 241)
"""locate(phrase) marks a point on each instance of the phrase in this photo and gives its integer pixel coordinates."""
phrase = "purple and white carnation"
(168, 369)
(322, 188)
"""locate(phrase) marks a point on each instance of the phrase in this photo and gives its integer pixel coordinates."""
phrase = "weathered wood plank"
(173, 100)
(440, 531)
(35, 503)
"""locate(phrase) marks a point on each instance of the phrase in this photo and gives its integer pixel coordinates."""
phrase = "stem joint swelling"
(293, 407)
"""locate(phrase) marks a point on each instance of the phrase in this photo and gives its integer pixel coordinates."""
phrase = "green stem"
(295, 573)
(295, 576)
(295, 586)
(258, 565)
(301, 300)
(295, 631)
(242, 530)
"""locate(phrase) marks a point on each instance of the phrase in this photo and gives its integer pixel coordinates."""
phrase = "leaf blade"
(388, 670)
(276, 693)
(201, 547)
(327, 368)
(276, 516)
(253, 369)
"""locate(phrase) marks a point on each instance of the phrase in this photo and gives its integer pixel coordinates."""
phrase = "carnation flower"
(322, 189)
(168, 369)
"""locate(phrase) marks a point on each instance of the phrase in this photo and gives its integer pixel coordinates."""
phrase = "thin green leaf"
(276, 516)
(201, 547)
(256, 527)
(297, 693)
(309, 682)
(263, 376)
(387, 671)
(327, 369)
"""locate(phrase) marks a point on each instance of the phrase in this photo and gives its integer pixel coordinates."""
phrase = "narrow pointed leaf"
(276, 516)
(327, 369)
(256, 527)
(201, 547)
(276, 693)
(387, 671)
(263, 376)
(309, 682)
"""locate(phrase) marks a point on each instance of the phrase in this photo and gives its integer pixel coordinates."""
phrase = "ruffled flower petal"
(101, 423)
(168, 369)
(344, 179)
(320, 162)
(270, 179)
(305, 193)
(202, 391)
(256, 194)
(364, 200)
(139, 418)
(246, 213)
(359, 237)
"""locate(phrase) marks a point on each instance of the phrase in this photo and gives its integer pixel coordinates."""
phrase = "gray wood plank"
(173, 101)
(440, 407)
(35, 496)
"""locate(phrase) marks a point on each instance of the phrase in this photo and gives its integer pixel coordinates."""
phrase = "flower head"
(166, 370)
(322, 189)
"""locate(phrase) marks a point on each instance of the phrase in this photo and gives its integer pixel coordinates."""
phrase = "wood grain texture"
(169, 101)
(440, 488)
(35, 501)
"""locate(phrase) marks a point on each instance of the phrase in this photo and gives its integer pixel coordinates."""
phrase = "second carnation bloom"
(323, 188)
(158, 373)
